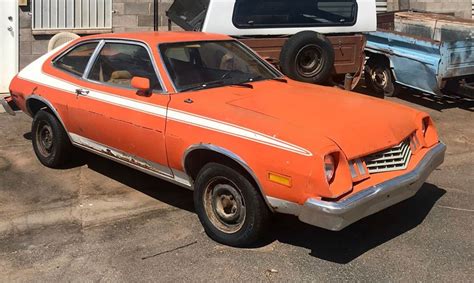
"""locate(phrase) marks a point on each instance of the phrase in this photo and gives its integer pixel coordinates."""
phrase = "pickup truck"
(431, 53)
(313, 41)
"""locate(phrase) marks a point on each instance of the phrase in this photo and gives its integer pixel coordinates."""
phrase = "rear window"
(290, 13)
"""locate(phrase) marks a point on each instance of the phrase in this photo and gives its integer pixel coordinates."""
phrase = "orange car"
(205, 112)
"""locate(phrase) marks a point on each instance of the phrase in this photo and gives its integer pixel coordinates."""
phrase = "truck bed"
(425, 63)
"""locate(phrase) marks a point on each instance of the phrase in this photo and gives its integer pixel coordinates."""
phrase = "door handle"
(10, 28)
(82, 92)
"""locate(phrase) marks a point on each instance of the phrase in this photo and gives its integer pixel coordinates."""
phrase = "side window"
(118, 63)
(290, 13)
(75, 61)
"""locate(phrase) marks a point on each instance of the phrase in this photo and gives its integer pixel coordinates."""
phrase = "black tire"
(50, 141)
(229, 207)
(379, 78)
(308, 57)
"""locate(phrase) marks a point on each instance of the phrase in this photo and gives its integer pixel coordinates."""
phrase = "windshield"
(200, 65)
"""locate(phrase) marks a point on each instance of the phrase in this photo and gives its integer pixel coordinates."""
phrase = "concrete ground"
(98, 220)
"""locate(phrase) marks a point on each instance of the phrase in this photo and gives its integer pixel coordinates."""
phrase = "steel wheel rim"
(44, 139)
(224, 205)
(309, 60)
(380, 78)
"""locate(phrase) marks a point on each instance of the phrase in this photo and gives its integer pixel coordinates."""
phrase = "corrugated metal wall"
(72, 14)
(382, 6)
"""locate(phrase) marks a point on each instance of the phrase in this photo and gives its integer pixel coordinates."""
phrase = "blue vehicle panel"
(423, 64)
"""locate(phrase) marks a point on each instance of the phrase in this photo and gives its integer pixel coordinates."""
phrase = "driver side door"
(109, 115)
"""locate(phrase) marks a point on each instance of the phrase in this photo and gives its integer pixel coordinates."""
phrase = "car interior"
(118, 63)
(197, 64)
(76, 60)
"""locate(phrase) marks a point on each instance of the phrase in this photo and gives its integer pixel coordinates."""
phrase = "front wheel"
(229, 207)
(50, 141)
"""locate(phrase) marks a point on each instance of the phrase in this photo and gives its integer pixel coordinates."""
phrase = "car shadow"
(438, 103)
(339, 247)
(154, 187)
(355, 240)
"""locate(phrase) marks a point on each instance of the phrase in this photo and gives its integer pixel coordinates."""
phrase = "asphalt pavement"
(96, 220)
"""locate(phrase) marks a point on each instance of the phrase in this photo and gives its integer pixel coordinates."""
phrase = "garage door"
(382, 6)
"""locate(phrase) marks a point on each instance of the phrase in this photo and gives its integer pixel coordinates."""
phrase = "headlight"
(425, 125)
(428, 130)
(329, 167)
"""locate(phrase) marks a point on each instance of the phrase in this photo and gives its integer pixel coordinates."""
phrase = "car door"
(109, 115)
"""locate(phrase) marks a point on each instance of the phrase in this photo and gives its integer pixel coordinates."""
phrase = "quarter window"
(75, 61)
(118, 63)
(290, 13)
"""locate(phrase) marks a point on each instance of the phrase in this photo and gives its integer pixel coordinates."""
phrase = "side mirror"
(142, 84)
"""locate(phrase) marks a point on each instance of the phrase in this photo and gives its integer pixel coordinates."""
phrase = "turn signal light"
(279, 179)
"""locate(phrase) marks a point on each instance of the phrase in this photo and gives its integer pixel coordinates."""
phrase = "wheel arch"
(35, 103)
(382, 58)
(196, 156)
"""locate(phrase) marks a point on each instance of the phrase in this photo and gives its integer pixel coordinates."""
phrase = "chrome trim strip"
(337, 215)
(360, 166)
(101, 43)
(92, 59)
(42, 99)
(143, 165)
(150, 53)
(65, 52)
(231, 155)
(352, 169)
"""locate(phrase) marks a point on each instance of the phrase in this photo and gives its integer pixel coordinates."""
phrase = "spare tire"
(308, 57)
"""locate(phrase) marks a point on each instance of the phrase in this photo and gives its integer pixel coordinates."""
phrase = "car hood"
(358, 124)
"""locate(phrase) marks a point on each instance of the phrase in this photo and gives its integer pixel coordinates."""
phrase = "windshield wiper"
(247, 85)
(216, 84)
(280, 79)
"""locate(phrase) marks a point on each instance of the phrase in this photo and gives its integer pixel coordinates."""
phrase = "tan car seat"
(121, 78)
(229, 62)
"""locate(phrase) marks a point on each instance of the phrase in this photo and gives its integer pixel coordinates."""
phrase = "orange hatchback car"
(205, 112)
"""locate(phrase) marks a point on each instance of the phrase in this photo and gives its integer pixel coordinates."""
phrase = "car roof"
(154, 38)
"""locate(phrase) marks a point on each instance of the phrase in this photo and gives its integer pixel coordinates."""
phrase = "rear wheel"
(50, 141)
(229, 207)
(379, 78)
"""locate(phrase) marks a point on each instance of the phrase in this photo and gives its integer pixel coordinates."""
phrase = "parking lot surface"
(98, 220)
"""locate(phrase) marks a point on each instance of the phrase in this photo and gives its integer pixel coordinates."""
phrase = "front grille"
(392, 159)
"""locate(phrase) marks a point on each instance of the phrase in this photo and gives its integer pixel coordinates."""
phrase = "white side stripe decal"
(34, 73)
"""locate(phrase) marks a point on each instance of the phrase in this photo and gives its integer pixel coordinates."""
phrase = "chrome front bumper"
(337, 215)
